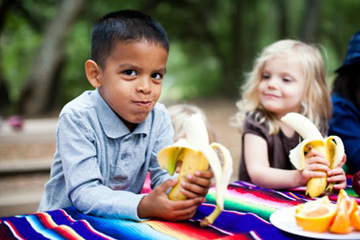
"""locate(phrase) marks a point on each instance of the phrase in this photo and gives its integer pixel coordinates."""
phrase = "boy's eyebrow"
(127, 65)
(161, 70)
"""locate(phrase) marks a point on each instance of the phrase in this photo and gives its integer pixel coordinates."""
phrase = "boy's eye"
(130, 72)
(156, 76)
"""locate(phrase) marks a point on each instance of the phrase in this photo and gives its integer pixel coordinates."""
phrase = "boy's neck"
(130, 126)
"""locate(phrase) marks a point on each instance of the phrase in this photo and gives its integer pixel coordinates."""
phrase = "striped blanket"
(248, 208)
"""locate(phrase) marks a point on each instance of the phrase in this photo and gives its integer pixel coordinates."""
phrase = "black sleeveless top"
(279, 145)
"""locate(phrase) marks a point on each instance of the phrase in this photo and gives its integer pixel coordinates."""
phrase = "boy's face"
(132, 78)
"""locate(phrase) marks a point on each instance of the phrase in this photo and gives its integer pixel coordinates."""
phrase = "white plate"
(284, 219)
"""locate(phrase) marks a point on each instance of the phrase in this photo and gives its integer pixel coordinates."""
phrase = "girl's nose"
(272, 83)
(144, 85)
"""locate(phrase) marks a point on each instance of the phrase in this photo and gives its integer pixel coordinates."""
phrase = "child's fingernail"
(197, 173)
(189, 177)
(183, 184)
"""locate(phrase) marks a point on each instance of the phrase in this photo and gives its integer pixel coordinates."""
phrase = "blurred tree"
(213, 42)
(309, 23)
(4, 90)
(40, 89)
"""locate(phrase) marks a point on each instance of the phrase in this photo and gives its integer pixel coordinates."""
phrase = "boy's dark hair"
(124, 26)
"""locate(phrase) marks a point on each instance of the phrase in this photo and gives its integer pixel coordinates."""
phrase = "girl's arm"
(258, 167)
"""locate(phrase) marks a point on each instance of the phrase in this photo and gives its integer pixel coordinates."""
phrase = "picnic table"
(247, 216)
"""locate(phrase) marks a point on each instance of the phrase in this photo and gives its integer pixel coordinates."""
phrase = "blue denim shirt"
(345, 123)
(100, 166)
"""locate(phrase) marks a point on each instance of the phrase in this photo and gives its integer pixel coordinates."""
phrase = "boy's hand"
(198, 185)
(157, 205)
(337, 175)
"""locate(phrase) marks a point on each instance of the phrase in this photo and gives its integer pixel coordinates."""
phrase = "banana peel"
(197, 154)
(332, 147)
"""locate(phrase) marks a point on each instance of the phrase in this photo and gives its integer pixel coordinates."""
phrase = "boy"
(108, 139)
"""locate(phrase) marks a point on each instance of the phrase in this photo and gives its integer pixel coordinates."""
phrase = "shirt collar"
(113, 126)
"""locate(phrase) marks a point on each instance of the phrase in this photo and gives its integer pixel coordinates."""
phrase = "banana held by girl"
(197, 154)
(332, 147)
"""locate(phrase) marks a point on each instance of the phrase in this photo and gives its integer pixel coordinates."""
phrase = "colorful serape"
(248, 208)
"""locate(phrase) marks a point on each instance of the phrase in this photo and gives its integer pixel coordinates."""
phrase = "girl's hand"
(337, 175)
(315, 166)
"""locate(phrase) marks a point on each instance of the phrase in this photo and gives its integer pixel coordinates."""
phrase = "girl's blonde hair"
(179, 113)
(316, 100)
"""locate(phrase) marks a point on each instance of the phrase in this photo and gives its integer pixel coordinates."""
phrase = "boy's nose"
(144, 85)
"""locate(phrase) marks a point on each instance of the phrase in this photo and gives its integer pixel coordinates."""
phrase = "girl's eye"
(286, 79)
(156, 76)
(130, 72)
(265, 76)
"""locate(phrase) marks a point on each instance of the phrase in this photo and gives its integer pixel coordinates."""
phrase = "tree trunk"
(310, 23)
(4, 89)
(283, 20)
(36, 94)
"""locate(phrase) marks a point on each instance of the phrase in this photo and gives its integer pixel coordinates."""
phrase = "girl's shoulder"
(256, 122)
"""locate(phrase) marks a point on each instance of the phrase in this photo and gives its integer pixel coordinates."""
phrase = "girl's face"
(282, 85)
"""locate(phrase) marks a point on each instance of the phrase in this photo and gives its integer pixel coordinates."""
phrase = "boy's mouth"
(143, 103)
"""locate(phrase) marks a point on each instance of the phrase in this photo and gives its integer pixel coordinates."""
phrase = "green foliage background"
(204, 61)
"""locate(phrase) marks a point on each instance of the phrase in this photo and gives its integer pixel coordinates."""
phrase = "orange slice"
(351, 204)
(355, 220)
(315, 216)
(341, 222)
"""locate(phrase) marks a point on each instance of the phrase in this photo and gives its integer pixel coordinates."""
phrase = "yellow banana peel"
(332, 147)
(197, 154)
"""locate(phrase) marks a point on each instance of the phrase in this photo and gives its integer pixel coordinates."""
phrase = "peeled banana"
(332, 147)
(197, 154)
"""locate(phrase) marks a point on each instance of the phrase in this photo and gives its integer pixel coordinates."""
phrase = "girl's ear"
(93, 73)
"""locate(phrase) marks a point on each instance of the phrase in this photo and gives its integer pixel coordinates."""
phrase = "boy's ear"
(93, 73)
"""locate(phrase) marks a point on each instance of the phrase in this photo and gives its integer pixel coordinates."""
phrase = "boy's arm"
(85, 182)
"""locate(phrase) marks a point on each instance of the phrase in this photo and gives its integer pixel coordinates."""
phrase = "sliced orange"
(351, 204)
(355, 220)
(315, 216)
(341, 223)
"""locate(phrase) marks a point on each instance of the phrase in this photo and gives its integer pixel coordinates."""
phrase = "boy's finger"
(189, 203)
(188, 194)
(203, 182)
(204, 174)
(167, 184)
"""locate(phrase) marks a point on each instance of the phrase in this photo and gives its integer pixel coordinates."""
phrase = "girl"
(179, 113)
(288, 77)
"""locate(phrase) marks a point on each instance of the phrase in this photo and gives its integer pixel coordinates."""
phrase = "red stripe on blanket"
(10, 232)
(185, 230)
